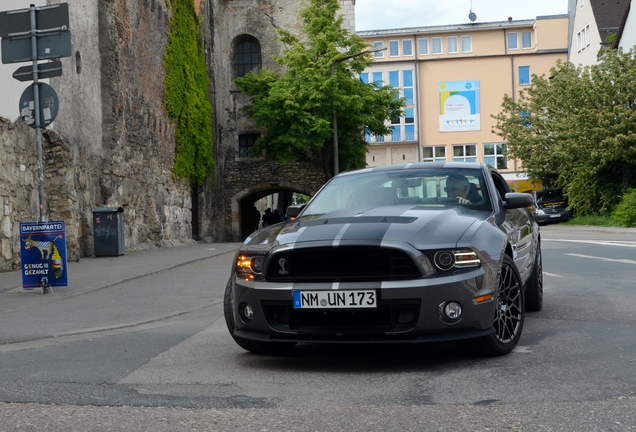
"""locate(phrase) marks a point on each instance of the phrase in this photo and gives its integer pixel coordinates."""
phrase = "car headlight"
(540, 212)
(448, 259)
(248, 267)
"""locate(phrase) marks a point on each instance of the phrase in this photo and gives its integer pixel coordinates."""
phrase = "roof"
(608, 15)
(495, 25)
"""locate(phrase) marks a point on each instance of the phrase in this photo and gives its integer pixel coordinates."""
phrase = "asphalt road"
(147, 349)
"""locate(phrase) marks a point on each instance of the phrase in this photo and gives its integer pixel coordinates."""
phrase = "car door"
(518, 225)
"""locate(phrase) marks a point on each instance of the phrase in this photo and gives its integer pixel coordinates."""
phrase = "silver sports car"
(393, 254)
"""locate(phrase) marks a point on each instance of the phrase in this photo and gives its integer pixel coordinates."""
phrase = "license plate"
(555, 216)
(334, 299)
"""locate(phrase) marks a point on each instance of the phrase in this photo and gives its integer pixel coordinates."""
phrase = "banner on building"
(459, 106)
(43, 254)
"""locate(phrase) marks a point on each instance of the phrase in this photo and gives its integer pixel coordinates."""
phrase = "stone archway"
(243, 202)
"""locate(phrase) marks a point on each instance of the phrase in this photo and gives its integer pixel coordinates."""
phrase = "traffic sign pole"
(38, 124)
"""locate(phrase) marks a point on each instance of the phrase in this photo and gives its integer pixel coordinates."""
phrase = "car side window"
(501, 185)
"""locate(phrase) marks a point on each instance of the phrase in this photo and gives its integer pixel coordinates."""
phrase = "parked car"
(389, 255)
(552, 206)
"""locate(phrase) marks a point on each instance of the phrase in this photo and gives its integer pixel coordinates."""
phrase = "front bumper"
(407, 311)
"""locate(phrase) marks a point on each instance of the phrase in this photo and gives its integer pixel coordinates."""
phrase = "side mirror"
(516, 200)
(294, 210)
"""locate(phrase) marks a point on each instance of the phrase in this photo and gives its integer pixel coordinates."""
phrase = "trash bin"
(108, 231)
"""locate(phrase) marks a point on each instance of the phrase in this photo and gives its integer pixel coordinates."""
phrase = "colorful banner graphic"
(43, 254)
(459, 106)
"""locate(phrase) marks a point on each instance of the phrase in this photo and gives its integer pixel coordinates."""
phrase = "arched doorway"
(277, 196)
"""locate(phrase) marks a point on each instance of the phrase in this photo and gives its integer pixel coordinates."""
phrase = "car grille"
(340, 264)
(388, 316)
(553, 209)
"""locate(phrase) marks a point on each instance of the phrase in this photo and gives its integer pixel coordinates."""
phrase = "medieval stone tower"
(243, 37)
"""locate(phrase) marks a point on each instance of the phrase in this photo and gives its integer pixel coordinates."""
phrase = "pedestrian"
(276, 217)
(267, 217)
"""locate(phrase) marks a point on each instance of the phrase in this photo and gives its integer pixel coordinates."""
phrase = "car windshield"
(550, 195)
(422, 188)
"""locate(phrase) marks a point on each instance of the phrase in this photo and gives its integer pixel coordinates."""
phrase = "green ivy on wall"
(186, 94)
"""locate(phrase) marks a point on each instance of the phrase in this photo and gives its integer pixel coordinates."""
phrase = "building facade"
(454, 79)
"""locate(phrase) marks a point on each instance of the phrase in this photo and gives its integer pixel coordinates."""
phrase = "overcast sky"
(390, 14)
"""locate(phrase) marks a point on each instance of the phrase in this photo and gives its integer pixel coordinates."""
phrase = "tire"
(256, 347)
(534, 286)
(509, 314)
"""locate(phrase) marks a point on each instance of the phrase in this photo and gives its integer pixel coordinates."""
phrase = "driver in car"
(457, 187)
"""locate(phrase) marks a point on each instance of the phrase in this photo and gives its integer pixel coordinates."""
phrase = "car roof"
(421, 165)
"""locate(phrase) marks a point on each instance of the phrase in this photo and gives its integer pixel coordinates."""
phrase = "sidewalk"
(94, 273)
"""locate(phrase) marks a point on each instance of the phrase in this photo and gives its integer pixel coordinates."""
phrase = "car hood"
(421, 227)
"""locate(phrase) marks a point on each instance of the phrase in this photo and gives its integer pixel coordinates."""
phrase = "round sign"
(48, 104)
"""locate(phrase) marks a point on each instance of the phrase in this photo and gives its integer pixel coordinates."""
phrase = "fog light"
(248, 312)
(453, 310)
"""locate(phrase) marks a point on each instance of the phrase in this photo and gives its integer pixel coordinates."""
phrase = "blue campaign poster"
(43, 253)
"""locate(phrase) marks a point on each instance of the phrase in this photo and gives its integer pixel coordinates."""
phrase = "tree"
(294, 105)
(577, 129)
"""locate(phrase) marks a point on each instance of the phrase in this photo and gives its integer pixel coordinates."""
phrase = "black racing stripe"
(369, 232)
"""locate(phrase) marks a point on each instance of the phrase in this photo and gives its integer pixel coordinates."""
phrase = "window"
(407, 47)
(246, 142)
(394, 48)
(409, 122)
(465, 153)
(513, 43)
(437, 45)
(467, 43)
(379, 54)
(434, 154)
(587, 35)
(422, 46)
(495, 155)
(247, 55)
(364, 77)
(524, 75)
(526, 40)
(452, 44)
(394, 79)
(377, 78)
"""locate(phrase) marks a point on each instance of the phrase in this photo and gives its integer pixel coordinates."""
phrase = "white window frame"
(522, 41)
(435, 158)
(394, 44)
(464, 153)
(378, 54)
(516, 36)
(407, 43)
(469, 38)
(498, 156)
(441, 46)
(452, 42)
(421, 41)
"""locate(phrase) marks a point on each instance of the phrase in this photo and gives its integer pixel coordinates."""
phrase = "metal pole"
(334, 120)
(36, 97)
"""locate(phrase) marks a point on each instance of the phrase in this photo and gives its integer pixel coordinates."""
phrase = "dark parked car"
(552, 206)
(388, 254)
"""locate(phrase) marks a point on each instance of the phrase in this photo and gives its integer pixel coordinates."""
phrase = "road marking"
(551, 274)
(626, 261)
(598, 242)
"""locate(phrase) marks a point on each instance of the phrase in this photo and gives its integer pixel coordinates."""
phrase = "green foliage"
(186, 94)
(593, 220)
(294, 105)
(581, 130)
(625, 212)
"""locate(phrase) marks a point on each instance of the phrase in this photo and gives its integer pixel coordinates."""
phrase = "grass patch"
(593, 221)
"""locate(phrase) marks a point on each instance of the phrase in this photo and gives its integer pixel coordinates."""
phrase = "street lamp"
(335, 117)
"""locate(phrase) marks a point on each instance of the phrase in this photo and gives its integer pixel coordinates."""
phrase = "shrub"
(625, 212)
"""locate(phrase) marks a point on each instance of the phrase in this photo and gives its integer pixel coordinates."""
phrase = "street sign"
(45, 70)
(49, 46)
(48, 104)
(46, 17)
